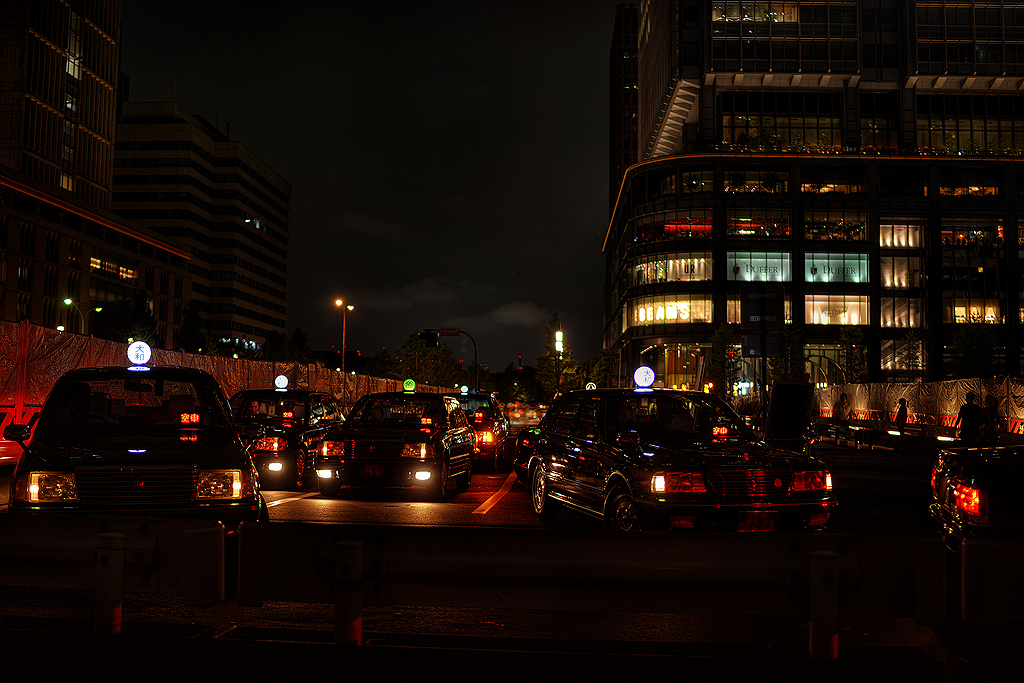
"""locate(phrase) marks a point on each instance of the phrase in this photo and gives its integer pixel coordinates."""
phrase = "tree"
(851, 348)
(382, 364)
(128, 319)
(973, 350)
(792, 365)
(555, 372)
(434, 365)
(719, 369)
(599, 368)
(192, 334)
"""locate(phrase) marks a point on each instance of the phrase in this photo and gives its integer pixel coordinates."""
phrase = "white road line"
(291, 498)
(493, 500)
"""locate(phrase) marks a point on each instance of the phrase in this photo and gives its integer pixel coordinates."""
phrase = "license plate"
(758, 520)
(373, 471)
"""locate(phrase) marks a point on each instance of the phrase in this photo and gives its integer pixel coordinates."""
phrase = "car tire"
(330, 488)
(443, 486)
(620, 512)
(543, 504)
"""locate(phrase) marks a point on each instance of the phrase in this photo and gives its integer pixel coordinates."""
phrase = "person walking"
(991, 424)
(969, 419)
(901, 416)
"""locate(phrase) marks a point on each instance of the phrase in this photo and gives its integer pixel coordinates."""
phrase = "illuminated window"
(825, 309)
(753, 223)
(666, 225)
(670, 268)
(831, 267)
(746, 266)
(899, 235)
(971, 310)
(836, 225)
(659, 310)
(901, 272)
(901, 312)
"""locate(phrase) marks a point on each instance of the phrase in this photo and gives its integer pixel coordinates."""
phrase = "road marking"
(493, 500)
(291, 498)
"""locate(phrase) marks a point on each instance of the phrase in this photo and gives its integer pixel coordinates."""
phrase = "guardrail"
(820, 575)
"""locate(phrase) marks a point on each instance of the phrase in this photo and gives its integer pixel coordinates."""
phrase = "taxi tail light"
(678, 482)
(971, 500)
(812, 480)
(330, 449)
(272, 443)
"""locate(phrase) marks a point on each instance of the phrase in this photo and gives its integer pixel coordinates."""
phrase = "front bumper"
(231, 515)
(391, 473)
(747, 516)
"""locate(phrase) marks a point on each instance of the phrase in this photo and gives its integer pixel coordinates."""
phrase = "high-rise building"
(861, 158)
(59, 242)
(182, 177)
(623, 89)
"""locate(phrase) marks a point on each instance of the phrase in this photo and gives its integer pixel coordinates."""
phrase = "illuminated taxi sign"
(719, 431)
(139, 354)
(464, 388)
(409, 385)
(281, 382)
(643, 377)
(591, 386)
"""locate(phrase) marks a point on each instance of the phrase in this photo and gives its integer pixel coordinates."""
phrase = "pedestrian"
(841, 411)
(992, 423)
(901, 416)
(969, 419)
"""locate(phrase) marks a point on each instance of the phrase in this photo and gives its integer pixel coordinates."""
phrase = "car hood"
(212, 449)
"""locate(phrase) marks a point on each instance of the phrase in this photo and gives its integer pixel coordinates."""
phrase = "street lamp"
(344, 312)
(81, 316)
(558, 367)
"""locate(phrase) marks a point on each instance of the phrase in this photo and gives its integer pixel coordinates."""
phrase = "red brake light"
(971, 500)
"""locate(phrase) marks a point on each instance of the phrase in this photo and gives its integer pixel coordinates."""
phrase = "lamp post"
(81, 316)
(558, 366)
(345, 308)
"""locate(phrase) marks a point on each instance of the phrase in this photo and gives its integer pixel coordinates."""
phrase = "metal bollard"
(202, 566)
(824, 604)
(109, 583)
(348, 593)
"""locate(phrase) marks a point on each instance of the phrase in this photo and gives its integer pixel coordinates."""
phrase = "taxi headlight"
(415, 450)
(51, 486)
(220, 484)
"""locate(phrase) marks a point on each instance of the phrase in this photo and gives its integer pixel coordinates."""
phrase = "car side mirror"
(17, 433)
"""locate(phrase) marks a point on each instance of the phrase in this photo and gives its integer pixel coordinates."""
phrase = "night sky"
(448, 160)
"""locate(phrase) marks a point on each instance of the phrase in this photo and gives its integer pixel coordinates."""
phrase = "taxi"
(489, 423)
(138, 439)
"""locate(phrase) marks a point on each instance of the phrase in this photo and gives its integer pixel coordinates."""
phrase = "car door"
(556, 448)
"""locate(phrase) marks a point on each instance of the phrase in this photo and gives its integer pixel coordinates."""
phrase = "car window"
(562, 420)
(396, 411)
(586, 420)
(114, 403)
(249, 406)
(331, 412)
(693, 417)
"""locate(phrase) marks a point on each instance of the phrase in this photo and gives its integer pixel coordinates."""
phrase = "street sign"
(763, 307)
(449, 331)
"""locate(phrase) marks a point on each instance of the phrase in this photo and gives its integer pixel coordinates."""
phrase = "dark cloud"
(448, 160)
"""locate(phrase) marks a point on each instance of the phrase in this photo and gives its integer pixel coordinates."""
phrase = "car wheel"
(442, 489)
(466, 478)
(330, 488)
(543, 504)
(620, 513)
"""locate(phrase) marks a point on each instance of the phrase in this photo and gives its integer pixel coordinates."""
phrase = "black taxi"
(976, 494)
(139, 440)
(490, 424)
(404, 439)
(284, 427)
(662, 458)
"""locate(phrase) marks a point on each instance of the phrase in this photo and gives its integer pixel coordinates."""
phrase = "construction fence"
(32, 358)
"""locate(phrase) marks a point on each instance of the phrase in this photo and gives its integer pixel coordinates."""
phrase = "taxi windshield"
(689, 417)
(255, 406)
(396, 412)
(116, 404)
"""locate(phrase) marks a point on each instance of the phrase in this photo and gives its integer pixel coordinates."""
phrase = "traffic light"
(429, 338)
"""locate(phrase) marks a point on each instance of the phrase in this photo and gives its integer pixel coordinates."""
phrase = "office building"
(182, 177)
(58, 238)
(864, 156)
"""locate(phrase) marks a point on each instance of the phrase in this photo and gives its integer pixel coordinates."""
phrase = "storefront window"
(670, 268)
(747, 266)
(836, 225)
(825, 309)
(752, 223)
(901, 312)
(899, 235)
(681, 308)
(971, 310)
(901, 272)
(833, 267)
(667, 225)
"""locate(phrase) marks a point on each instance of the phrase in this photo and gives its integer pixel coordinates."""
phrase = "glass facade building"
(864, 155)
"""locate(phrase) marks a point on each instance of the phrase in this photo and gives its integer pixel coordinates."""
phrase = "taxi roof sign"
(281, 382)
(409, 385)
(139, 354)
